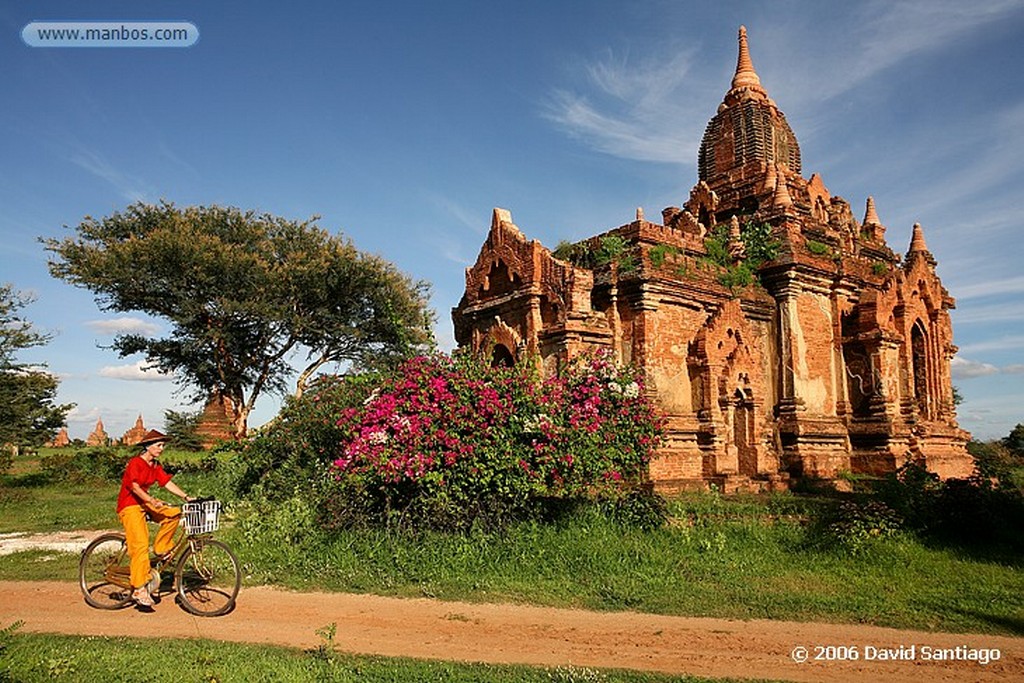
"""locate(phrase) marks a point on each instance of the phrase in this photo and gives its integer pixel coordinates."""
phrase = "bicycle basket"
(201, 517)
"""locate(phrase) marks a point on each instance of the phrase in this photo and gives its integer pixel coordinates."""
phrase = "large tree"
(245, 293)
(28, 414)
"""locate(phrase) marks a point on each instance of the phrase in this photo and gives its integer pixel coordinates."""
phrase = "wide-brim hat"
(151, 437)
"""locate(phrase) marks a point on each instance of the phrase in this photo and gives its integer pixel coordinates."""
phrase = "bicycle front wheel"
(208, 578)
(104, 572)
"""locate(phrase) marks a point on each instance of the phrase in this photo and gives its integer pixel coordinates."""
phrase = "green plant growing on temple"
(758, 245)
(610, 249)
(659, 252)
(817, 248)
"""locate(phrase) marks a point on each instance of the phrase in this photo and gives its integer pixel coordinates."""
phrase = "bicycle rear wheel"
(208, 578)
(104, 572)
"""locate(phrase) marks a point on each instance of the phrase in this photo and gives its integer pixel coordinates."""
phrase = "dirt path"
(431, 629)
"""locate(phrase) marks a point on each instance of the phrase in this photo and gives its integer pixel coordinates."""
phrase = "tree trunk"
(240, 422)
(303, 380)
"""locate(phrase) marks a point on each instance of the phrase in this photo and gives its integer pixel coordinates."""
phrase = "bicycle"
(207, 575)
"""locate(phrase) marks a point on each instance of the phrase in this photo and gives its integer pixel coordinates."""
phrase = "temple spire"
(870, 215)
(917, 241)
(745, 76)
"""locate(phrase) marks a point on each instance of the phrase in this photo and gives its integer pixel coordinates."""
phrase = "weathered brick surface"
(215, 422)
(98, 436)
(135, 434)
(836, 360)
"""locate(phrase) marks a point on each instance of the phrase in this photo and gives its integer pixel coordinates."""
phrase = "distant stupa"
(135, 434)
(61, 440)
(99, 436)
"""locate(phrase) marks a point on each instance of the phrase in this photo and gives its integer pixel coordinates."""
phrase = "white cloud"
(649, 109)
(1001, 344)
(640, 111)
(136, 372)
(123, 326)
(1013, 285)
(1015, 369)
(961, 368)
(891, 32)
(1009, 310)
(81, 416)
(130, 188)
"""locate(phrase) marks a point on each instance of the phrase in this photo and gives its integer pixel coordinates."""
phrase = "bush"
(912, 492)
(971, 512)
(995, 460)
(639, 508)
(85, 465)
(293, 452)
(855, 525)
(449, 442)
(6, 459)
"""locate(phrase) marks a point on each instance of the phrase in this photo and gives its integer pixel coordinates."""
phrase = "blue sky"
(403, 124)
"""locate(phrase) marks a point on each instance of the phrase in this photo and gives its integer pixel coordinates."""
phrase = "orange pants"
(136, 532)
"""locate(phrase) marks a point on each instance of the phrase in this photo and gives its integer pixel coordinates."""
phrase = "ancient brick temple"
(99, 436)
(135, 434)
(781, 336)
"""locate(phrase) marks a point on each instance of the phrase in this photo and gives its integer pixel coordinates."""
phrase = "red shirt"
(142, 473)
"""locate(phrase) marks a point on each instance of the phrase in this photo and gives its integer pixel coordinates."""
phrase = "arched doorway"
(919, 365)
(743, 433)
(501, 357)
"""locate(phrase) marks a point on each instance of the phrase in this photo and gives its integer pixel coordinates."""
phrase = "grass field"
(31, 657)
(733, 557)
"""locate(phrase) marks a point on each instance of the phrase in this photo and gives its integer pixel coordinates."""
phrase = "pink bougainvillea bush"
(449, 441)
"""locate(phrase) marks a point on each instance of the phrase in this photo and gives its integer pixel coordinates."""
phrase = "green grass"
(27, 506)
(32, 657)
(732, 557)
(27, 503)
(751, 566)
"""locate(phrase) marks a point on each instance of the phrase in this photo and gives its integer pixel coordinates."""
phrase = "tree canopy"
(28, 414)
(245, 293)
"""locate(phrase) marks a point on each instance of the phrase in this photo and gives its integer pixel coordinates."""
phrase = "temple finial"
(745, 76)
(870, 215)
(917, 240)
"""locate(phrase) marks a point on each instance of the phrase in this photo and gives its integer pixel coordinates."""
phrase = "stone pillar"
(786, 295)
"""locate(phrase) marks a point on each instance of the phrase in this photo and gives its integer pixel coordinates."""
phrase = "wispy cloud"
(961, 368)
(652, 109)
(890, 32)
(135, 372)
(123, 326)
(998, 312)
(628, 109)
(80, 416)
(1015, 342)
(477, 222)
(132, 189)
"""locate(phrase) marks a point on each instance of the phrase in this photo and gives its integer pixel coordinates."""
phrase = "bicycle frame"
(119, 574)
